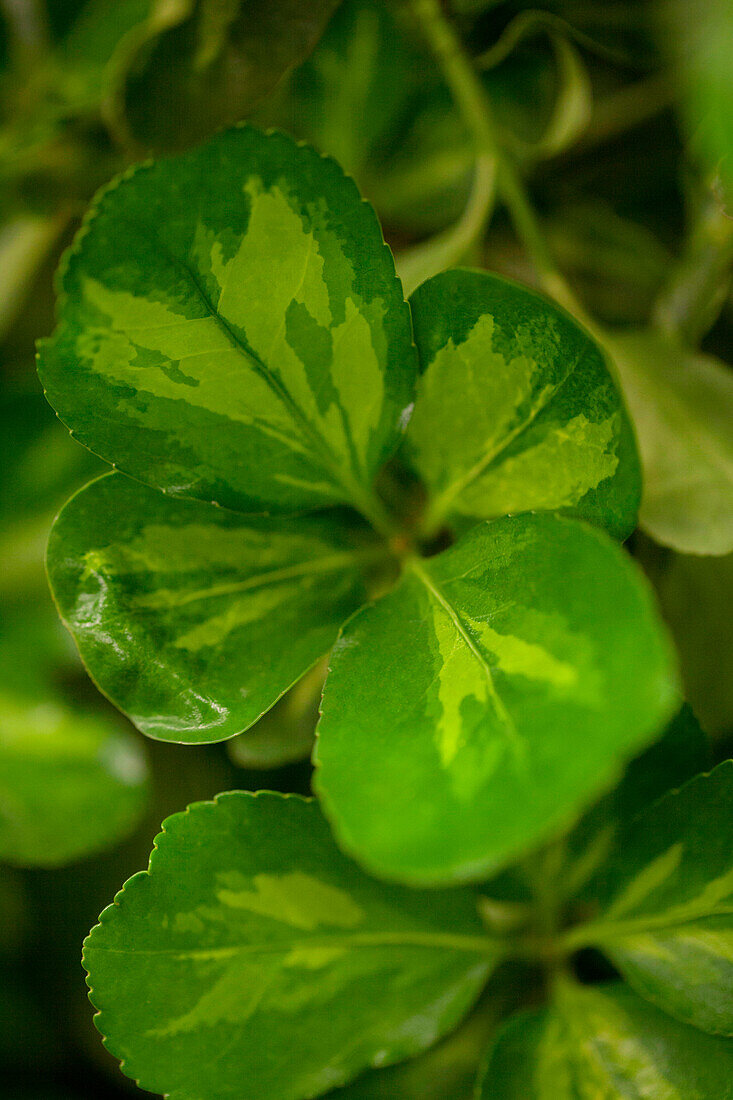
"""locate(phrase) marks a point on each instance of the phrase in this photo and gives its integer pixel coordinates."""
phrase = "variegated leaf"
(667, 921)
(254, 959)
(481, 704)
(516, 410)
(603, 1043)
(231, 328)
(192, 619)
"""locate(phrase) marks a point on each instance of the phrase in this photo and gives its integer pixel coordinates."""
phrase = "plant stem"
(426, 259)
(472, 101)
(694, 296)
(377, 514)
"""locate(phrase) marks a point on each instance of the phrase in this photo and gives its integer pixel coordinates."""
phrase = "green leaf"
(252, 936)
(481, 704)
(231, 328)
(680, 753)
(602, 1042)
(353, 93)
(696, 595)
(701, 39)
(447, 1071)
(682, 405)
(200, 64)
(192, 619)
(667, 917)
(70, 783)
(516, 410)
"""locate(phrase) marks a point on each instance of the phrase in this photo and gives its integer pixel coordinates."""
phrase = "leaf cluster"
(249, 366)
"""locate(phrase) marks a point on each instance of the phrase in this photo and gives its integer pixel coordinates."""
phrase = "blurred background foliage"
(618, 116)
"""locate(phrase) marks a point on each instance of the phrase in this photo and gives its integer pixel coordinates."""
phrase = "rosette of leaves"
(232, 337)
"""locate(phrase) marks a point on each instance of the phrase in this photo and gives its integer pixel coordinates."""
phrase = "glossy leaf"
(603, 1042)
(682, 405)
(667, 922)
(70, 783)
(252, 936)
(516, 410)
(231, 328)
(197, 65)
(192, 619)
(486, 700)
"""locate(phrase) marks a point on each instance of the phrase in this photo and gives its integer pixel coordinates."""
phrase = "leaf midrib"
(448, 941)
(442, 502)
(435, 592)
(327, 457)
(328, 564)
(608, 932)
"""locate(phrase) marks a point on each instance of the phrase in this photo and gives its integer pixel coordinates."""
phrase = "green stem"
(426, 259)
(697, 291)
(472, 101)
(377, 514)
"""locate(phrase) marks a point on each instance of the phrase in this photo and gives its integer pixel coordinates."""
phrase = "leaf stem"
(376, 512)
(472, 101)
(445, 941)
(692, 300)
(445, 249)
